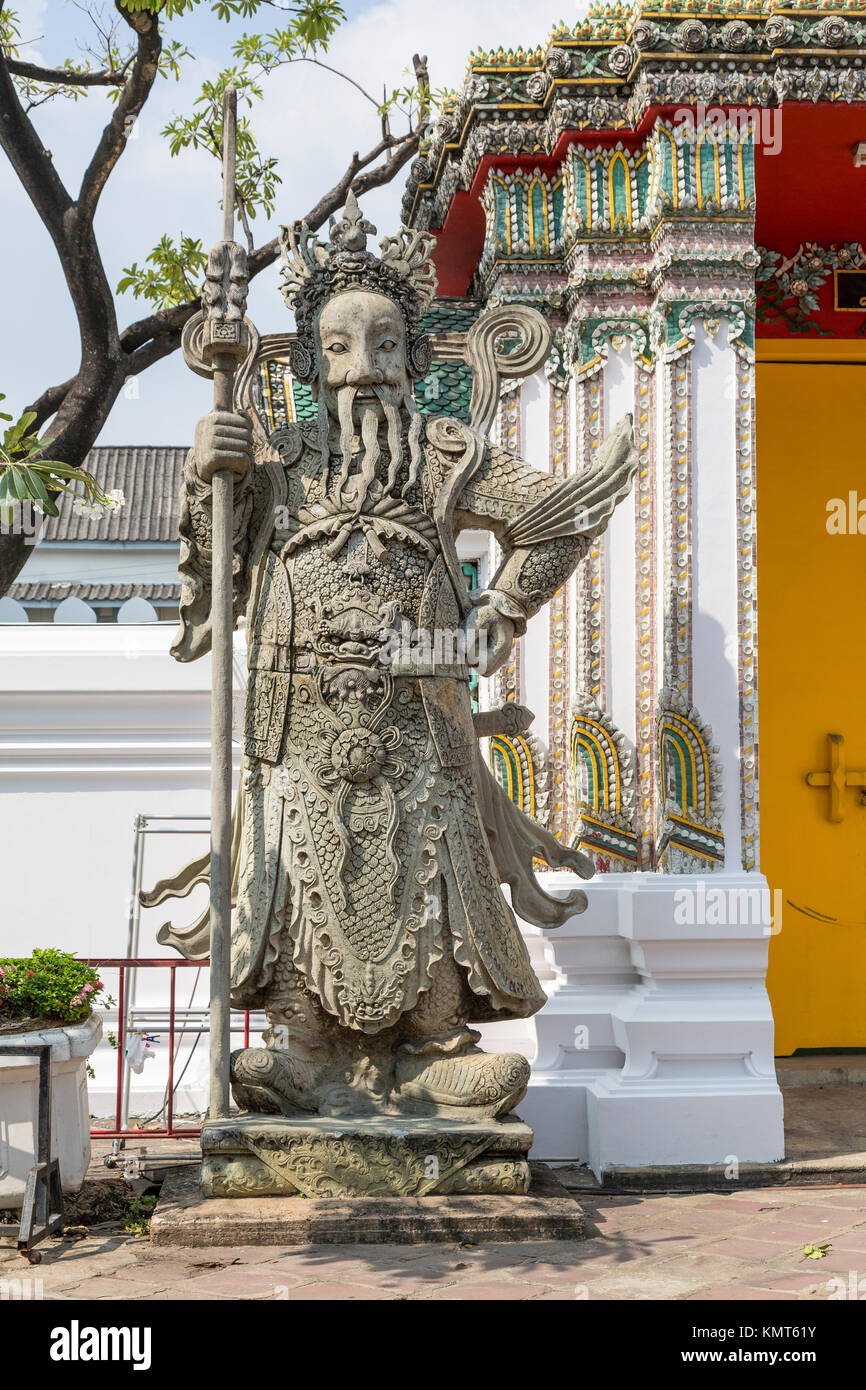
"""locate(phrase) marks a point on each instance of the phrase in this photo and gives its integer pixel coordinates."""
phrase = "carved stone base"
(378, 1156)
(185, 1218)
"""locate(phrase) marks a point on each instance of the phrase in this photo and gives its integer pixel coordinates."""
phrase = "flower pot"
(71, 1045)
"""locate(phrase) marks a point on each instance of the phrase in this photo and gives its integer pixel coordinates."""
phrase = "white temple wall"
(714, 563)
(101, 564)
(98, 725)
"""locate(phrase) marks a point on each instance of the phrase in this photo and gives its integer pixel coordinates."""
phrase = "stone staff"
(224, 343)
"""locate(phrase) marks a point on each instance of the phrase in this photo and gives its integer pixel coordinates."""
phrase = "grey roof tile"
(92, 593)
(151, 480)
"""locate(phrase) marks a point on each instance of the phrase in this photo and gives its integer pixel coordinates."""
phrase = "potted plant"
(46, 998)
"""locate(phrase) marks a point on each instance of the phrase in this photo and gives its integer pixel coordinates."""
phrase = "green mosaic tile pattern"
(448, 315)
(305, 406)
(445, 390)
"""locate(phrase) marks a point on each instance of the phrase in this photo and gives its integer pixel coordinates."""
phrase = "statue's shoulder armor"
(504, 474)
(290, 442)
(456, 452)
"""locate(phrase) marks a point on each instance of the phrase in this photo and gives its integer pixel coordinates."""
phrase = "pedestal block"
(382, 1156)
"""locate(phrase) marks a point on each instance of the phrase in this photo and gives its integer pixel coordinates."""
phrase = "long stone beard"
(392, 399)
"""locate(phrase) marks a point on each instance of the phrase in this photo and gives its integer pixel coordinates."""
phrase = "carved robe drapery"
(372, 838)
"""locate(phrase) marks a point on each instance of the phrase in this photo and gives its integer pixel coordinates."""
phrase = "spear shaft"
(224, 357)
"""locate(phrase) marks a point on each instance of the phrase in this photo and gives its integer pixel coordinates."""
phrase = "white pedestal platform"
(655, 1048)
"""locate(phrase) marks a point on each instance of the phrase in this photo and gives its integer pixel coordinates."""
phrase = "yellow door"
(811, 410)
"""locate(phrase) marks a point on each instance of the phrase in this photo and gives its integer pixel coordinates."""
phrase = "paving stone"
(791, 1234)
(472, 1291)
(184, 1295)
(744, 1248)
(300, 1269)
(555, 1296)
(844, 1197)
(107, 1288)
(165, 1272)
(782, 1280)
(221, 1254)
(733, 1293)
(335, 1292)
(734, 1203)
(813, 1211)
(841, 1261)
(239, 1282)
(852, 1240)
(641, 1285)
(712, 1222)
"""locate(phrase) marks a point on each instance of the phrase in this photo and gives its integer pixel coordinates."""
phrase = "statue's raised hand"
(223, 439)
(489, 635)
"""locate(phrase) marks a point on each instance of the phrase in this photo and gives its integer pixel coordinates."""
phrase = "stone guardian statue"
(371, 838)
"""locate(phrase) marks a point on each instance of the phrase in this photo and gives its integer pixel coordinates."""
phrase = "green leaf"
(19, 487)
(37, 490)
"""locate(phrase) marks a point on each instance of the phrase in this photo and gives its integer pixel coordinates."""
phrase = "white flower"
(92, 510)
(115, 499)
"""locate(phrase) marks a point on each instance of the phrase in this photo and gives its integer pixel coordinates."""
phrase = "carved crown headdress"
(313, 272)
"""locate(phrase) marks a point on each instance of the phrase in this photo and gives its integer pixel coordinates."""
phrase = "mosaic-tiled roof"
(449, 315)
(621, 62)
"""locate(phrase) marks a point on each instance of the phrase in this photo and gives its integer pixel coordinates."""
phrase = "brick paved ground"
(745, 1246)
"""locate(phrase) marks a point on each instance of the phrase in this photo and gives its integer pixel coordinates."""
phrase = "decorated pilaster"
(645, 256)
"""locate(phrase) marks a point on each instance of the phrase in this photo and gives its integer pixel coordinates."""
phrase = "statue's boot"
(482, 1083)
(270, 1082)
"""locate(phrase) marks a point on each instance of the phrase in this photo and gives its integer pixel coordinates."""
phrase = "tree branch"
(50, 402)
(150, 339)
(155, 325)
(113, 140)
(337, 73)
(66, 77)
(153, 351)
(31, 161)
(172, 320)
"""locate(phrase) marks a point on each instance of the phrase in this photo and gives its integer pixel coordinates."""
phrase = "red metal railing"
(122, 965)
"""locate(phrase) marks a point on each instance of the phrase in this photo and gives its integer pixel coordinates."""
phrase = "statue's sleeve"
(251, 512)
(543, 524)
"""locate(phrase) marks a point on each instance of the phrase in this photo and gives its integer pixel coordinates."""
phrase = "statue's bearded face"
(362, 339)
(364, 386)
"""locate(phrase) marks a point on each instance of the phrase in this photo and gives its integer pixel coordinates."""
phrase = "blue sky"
(311, 120)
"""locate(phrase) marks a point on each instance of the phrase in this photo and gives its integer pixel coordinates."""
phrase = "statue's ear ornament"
(419, 355)
(302, 362)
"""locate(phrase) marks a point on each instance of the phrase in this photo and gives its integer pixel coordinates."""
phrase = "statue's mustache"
(388, 393)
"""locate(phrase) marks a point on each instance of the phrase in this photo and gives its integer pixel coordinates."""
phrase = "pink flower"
(88, 989)
(2, 972)
(100, 985)
(29, 973)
